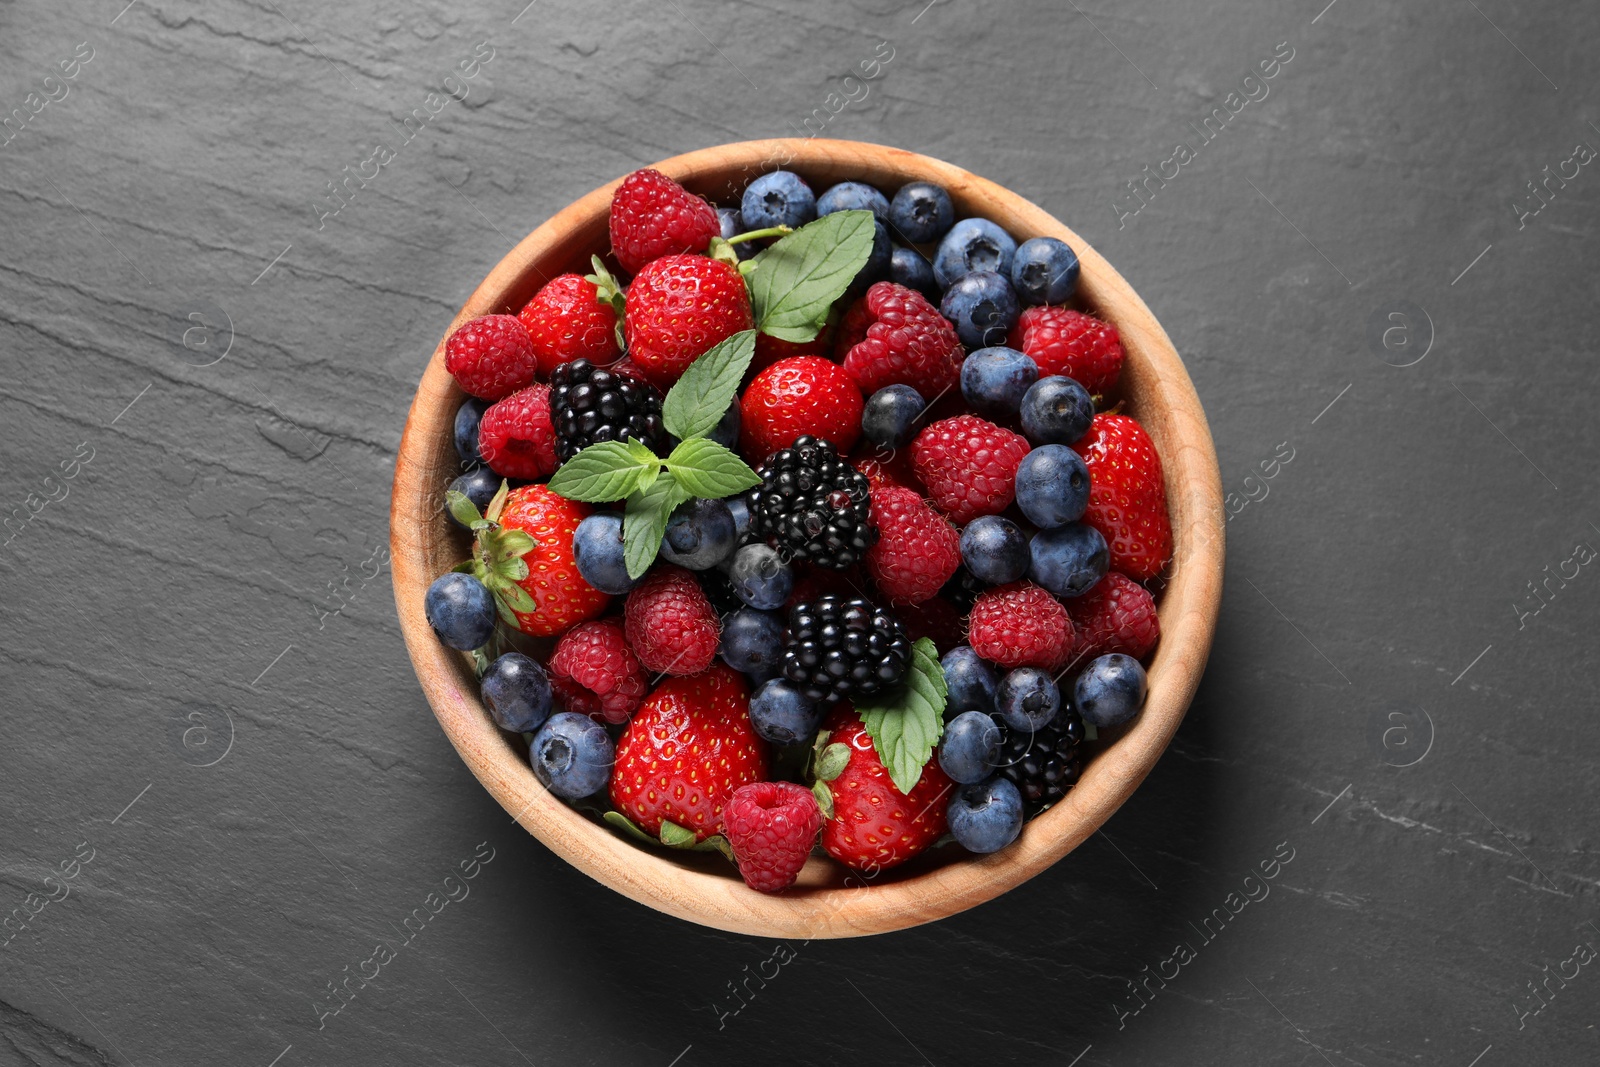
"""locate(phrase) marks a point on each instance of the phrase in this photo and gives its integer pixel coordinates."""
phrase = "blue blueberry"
(779, 713)
(468, 415)
(986, 817)
(889, 414)
(973, 244)
(760, 577)
(739, 508)
(970, 748)
(781, 198)
(1111, 690)
(911, 268)
(1056, 410)
(853, 196)
(1069, 559)
(752, 642)
(726, 431)
(994, 380)
(517, 692)
(460, 610)
(1052, 486)
(983, 309)
(572, 755)
(1044, 271)
(732, 226)
(1027, 700)
(700, 534)
(969, 680)
(479, 485)
(921, 212)
(994, 549)
(876, 268)
(597, 550)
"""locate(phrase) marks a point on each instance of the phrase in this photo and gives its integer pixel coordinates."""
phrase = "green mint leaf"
(906, 725)
(706, 469)
(649, 464)
(645, 520)
(465, 511)
(675, 836)
(609, 470)
(832, 762)
(796, 281)
(626, 825)
(695, 405)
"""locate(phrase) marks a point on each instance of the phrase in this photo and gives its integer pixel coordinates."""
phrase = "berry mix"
(826, 521)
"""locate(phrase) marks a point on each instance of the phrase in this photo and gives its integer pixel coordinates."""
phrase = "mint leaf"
(707, 469)
(609, 470)
(796, 281)
(905, 726)
(645, 520)
(695, 405)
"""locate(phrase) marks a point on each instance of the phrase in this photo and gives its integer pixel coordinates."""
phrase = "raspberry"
(595, 673)
(806, 396)
(491, 357)
(968, 465)
(679, 307)
(939, 621)
(771, 826)
(893, 336)
(917, 550)
(1116, 615)
(566, 321)
(1020, 625)
(653, 216)
(516, 436)
(671, 624)
(882, 471)
(1063, 341)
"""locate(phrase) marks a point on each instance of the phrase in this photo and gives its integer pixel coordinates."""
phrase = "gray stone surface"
(257, 781)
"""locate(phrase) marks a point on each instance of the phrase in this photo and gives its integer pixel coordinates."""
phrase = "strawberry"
(917, 549)
(1127, 497)
(771, 827)
(770, 350)
(1063, 341)
(566, 320)
(678, 307)
(491, 356)
(872, 826)
(892, 335)
(560, 595)
(794, 398)
(653, 216)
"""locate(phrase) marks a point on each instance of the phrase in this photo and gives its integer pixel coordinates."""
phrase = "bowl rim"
(824, 904)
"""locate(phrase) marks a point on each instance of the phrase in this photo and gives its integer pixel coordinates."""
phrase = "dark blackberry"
(812, 505)
(1044, 763)
(840, 648)
(590, 404)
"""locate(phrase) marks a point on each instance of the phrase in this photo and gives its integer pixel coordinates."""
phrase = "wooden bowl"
(828, 901)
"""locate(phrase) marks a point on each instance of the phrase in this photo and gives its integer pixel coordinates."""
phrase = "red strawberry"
(1021, 625)
(563, 597)
(685, 752)
(671, 625)
(917, 549)
(874, 826)
(1127, 498)
(653, 216)
(516, 436)
(770, 350)
(795, 397)
(678, 307)
(1116, 615)
(1063, 341)
(567, 321)
(893, 336)
(595, 673)
(771, 826)
(491, 357)
(969, 466)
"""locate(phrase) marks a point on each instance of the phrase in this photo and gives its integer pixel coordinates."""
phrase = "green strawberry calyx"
(607, 290)
(496, 553)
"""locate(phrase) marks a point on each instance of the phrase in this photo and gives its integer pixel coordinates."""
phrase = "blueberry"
(479, 485)
(1111, 690)
(726, 431)
(1056, 410)
(732, 226)
(739, 508)
(921, 212)
(781, 198)
(983, 309)
(517, 691)
(1052, 486)
(467, 417)
(994, 549)
(1044, 271)
(572, 755)
(853, 196)
(1027, 699)
(876, 268)
(597, 550)
(460, 610)
(752, 642)
(887, 418)
(1069, 559)
(700, 534)
(969, 680)
(970, 748)
(973, 244)
(911, 268)
(779, 713)
(760, 577)
(994, 380)
(986, 817)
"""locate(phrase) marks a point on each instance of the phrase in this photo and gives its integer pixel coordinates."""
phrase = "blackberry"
(1044, 763)
(590, 404)
(812, 505)
(840, 648)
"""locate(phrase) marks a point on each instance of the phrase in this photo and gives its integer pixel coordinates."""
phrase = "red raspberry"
(561, 597)
(595, 673)
(1063, 341)
(893, 336)
(671, 624)
(653, 216)
(678, 308)
(969, 466)
(516, 436)
(1116, 615)
(917, 550)
(491, 357)
(771, 826)
(566, 321)
(796, 397)
(1127, 496)
(882, 471)
(939, 621)
(1020, 625)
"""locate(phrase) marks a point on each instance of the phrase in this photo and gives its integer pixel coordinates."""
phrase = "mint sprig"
(907, 724)
(794, 282)
(645, 520)
(707, 469)
(610, 470)
(695, 405)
